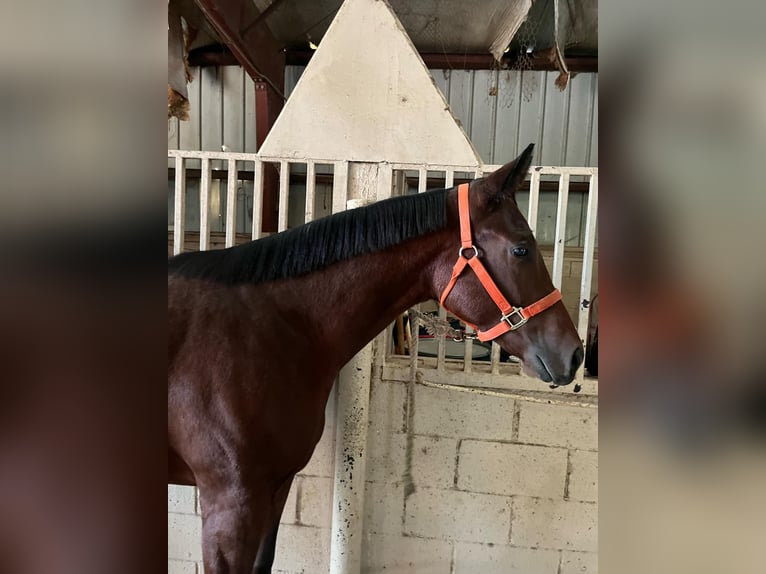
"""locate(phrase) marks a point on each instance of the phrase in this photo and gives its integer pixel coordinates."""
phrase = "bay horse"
(258, 333)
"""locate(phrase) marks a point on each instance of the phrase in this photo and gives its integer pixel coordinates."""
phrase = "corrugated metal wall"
(222, 112)
(501, 110)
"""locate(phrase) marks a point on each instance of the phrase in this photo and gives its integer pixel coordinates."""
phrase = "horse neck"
(354, 300)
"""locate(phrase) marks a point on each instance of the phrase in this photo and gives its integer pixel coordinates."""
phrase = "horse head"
(499, 264)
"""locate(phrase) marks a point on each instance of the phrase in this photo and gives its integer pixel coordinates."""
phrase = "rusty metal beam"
(254, 48)
(268, 10)
(221, 56)
(267, 107)
(439, 60)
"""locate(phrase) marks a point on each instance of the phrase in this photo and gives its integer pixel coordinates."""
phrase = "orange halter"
(507, 310)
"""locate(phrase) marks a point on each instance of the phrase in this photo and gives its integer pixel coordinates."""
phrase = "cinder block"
(290, 512)
(462, 415)
(579, 563)
(512, 469)
(383, 508)
(433, 461)
(583, 478)
(184, 537)
(385, 457)
(303, 549)
(316, 501)
(575, 427)
(182, 567)
(456, 515)
(561, 524)
(322, 462)
(181, 499)
(387, 408)
(405, 555)
(502, 559)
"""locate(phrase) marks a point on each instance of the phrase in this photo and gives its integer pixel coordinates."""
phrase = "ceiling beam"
(253, 47)
(221, 56)
(266, 11)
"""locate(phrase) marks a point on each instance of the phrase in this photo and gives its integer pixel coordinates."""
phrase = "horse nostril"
(577, 358)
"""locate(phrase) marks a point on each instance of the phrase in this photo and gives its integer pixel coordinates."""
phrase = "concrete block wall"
(501, 485)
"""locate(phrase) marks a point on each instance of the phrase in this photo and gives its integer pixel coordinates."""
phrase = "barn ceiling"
(264, 35)
(448, 26)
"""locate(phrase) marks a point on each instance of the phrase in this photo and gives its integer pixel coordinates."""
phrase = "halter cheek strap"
(511, 317)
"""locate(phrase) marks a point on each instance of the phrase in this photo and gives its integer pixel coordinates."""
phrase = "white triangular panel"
(367, 96)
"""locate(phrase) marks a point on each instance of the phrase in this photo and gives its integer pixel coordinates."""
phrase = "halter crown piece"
(511, 317)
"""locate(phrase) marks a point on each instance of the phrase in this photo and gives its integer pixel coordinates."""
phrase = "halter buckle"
(475, 251)
(509, 318)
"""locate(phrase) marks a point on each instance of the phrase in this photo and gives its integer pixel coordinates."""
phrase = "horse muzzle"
(558, 368)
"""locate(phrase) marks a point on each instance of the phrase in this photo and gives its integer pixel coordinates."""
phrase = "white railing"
(336, 172)
(236, 164)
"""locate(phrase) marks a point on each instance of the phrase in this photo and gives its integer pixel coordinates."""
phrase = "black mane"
(319, 243)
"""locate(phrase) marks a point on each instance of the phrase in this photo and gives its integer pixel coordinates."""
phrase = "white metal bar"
(589, 248)
(240, 156)
(311, 186)
(204, 206)
(550, 170)
(399, 182)
(385, 182)
(441, 351)
(179, 215)
(340, 186)
(258, 199)
(413, 333)
(422, 179)
(561, 226)
(495, 358)
(534, 200)
(468, 355)
(449, 178)
(404, 166)
(488, 168)
(223, 155)
(231, 203)
(284, 192)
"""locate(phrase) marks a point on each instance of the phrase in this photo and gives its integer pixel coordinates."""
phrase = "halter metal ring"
(475, 251)
(508, 318)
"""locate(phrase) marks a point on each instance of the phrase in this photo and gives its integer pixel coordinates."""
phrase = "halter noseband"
(511, 317)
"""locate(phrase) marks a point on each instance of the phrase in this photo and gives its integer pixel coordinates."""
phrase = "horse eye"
(520, 251)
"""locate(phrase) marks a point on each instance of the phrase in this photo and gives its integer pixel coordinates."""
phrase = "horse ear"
(503, 183)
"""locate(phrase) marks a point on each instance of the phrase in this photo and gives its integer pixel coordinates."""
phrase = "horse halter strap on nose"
(511, 317)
